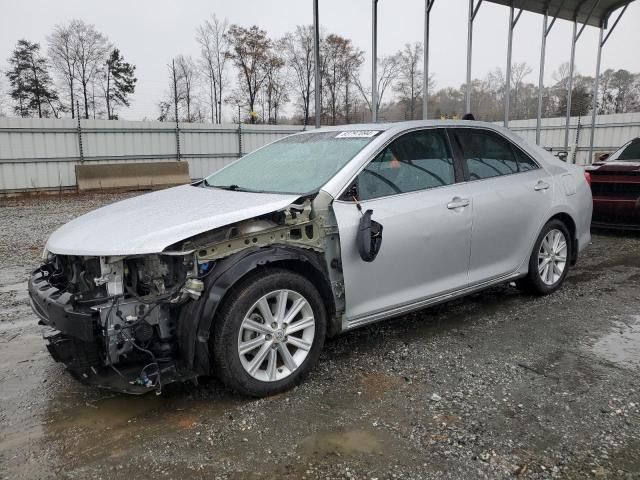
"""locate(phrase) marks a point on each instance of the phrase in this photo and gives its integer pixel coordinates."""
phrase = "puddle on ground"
(376, 384)
(622, 345)
(348, 442)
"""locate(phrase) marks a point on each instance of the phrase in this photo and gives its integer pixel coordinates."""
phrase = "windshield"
(296, 164)
(629, 152)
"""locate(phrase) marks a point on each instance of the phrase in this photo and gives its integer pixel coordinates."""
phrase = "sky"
(150, 32)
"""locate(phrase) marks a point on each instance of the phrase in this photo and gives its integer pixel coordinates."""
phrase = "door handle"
(541, 186)
(457, 202)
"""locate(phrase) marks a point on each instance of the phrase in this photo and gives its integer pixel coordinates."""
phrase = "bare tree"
(333, 49)
(249, 52)
(622, 82)
(387, 74)
(276, 87)
(62, 53)
(519, 71)
(352, 61)
(91, 50)
(340, 60)
(409, 85)
(186, 78)
(606, 92)
(211, 36)
(298, 51)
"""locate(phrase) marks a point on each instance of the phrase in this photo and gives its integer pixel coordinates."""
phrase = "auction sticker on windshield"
(358, 134)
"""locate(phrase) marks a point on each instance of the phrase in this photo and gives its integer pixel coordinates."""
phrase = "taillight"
(587, 177)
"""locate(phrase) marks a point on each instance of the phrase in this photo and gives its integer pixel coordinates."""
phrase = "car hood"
(152, 222)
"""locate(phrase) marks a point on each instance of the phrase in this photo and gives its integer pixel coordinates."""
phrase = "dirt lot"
(499, 385)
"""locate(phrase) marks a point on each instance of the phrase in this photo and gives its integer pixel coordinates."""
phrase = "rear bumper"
(622, 213)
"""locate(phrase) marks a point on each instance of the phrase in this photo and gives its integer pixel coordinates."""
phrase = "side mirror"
(603, 157)
(562, 155)
(369, 238)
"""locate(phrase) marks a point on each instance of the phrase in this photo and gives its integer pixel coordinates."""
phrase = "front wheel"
(549, 261)
(268, 333)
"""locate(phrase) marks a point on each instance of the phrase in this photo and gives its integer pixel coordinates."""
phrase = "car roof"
(394, 127)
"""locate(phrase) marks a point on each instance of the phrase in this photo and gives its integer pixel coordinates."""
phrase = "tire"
(257, 350)
(543, 280)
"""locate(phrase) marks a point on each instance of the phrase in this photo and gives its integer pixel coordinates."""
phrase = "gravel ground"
(498, 385)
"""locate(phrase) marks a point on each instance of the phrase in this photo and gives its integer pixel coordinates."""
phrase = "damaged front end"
(112, 319)
(135, 323)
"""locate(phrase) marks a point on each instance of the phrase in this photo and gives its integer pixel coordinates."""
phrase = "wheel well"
(307, 270)
(571, 226)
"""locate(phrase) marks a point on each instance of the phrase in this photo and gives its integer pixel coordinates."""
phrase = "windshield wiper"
(233, 187)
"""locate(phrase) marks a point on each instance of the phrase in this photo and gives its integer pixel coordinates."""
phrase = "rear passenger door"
(510, 197)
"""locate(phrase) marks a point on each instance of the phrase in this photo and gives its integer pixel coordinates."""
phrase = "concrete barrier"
(135, 176)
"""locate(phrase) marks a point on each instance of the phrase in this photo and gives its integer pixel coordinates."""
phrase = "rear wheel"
(269, 333)
(549, 261)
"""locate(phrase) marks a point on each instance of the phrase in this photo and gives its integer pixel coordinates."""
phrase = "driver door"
(411, 188)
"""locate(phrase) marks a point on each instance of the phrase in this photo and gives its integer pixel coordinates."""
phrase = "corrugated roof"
(570, 9)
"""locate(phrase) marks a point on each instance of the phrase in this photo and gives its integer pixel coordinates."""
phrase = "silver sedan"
(245, 273)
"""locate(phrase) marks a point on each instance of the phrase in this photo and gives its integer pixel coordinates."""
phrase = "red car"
(615, 186)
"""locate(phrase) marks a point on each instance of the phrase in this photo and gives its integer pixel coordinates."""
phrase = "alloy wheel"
(276, 335)
(552, 257)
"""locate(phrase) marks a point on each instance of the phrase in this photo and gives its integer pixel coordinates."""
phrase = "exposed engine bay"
(131, 305)
(119, 321)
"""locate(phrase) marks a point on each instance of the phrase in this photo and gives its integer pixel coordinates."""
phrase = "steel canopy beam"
(570, 84)
(566, 10)
(594, 101)
(316, 56)
(374, 61)
(473, 11)
(546, 29)
(428, 4)
(507, 90)
(574, 39)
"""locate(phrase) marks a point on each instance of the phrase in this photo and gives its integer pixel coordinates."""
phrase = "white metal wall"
(40, 154)
(612, 131)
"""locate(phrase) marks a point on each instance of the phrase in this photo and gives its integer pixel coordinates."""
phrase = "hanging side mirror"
(369, 238)
(603, 157)
(562, 155)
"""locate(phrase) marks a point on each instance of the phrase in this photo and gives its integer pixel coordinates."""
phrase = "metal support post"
(428, 4)
(545, 33)
(570, 84)
(316, 56)
(507, 89)
(574, 39)
(594, 104)
(594, 100)
(374, 61)
(543, 49)
(473, 11)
